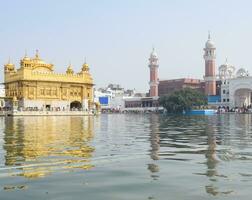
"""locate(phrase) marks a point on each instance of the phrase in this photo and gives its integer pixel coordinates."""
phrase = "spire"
(153, 54)
(209, 35)
(209, 43)
(9, 62)
(37, 54)
(25, 56)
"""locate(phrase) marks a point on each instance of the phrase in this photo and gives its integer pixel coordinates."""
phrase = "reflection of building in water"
(211, 159)
(41, 140)
(154, 143)
(235, 126)
(211, 152)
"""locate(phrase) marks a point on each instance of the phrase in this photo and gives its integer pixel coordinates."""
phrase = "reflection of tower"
(211, 152)
(153, 65)
(211, 155)
(209, 56)
(154, 143)
(211, 158)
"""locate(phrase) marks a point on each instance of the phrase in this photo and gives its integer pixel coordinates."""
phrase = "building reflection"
(211, 158)
(154, 145)
(37, 146)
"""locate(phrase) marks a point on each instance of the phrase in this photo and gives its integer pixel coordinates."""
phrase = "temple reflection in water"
(37, 146)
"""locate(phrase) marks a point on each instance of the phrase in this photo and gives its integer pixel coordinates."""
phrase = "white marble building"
(236, 86)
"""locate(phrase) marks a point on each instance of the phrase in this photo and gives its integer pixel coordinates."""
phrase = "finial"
(37, 53)
(25, 53)
(209, 35)
(69, 69)
(85, 66)
(9, 60)
(226, 60)
(85, 60)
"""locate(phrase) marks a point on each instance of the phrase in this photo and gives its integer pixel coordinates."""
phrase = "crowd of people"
(43, 109)
(243, 109)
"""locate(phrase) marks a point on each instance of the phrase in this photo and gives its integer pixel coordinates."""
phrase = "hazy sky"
(117, 36)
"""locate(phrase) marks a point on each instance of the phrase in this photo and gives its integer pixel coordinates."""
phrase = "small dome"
(26, 58)
(226, 70)
(9, 66)
(153, 53)
(40, 61)
(223, 67)
(242, 72)
(209, 44)
(230, 70)
(85, 67)
(37, 58)
(69, 69)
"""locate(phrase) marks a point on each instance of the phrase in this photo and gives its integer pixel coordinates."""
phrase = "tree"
(182, 100)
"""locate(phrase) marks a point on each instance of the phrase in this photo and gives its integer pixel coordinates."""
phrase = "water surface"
(126, 157)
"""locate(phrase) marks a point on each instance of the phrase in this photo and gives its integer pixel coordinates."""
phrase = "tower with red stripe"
(210, 78)
(153, 65)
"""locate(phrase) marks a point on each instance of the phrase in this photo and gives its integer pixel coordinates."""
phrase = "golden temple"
(35, 85)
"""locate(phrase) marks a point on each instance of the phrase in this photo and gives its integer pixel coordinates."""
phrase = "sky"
(116, 37)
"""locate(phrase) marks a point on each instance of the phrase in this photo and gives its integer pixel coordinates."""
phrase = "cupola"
(69, 69)
(85, 67)
(9, 66)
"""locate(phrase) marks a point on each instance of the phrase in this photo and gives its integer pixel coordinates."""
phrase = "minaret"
(153, 65)
(209, 56)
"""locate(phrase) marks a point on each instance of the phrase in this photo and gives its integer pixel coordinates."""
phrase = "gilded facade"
(35, 85)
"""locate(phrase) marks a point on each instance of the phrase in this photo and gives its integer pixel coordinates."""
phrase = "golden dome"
(9, 66)
(40, 61)
(69, 69)
(26, 58)
(85, 67)
(37, 59)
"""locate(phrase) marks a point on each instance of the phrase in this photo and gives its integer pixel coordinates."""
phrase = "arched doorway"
(242, 97)
(75, 105)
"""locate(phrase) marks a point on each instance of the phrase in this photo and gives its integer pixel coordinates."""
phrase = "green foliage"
(182, 100)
